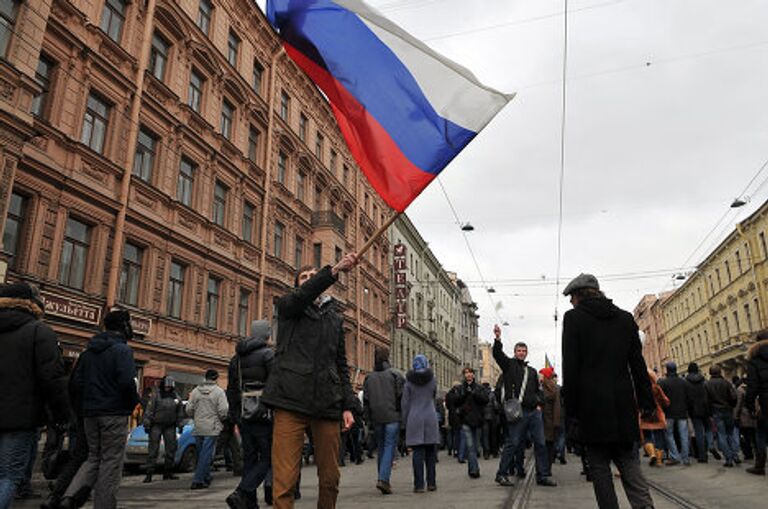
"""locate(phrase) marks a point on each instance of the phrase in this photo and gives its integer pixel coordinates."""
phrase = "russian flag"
(404, 110)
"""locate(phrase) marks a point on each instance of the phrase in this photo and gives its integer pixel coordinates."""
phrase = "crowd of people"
(290, 396)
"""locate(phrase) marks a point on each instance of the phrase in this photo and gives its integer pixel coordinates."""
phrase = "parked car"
(138, 448)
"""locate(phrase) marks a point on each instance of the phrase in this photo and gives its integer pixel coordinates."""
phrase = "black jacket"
(513, 373)
(721, 393)
(470, 399)
(696, 396)
(164, 409)
(757, 378)
(31, 368)
(311, 375)
(103, 382)
(253, 360)
(382, 392)
(676, 390)
(605, 376)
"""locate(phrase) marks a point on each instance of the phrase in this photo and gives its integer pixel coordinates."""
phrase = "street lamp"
(738, 202)
(491, 290)
(467, 227)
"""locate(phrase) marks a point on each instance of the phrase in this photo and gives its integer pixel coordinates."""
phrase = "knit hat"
(211, 374)
(420, 363)
(23, 291)
(547, 372)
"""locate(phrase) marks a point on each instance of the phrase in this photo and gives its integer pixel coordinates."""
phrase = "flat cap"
(581, 281)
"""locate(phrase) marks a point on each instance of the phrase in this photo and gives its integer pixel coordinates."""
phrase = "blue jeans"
(257, 457)
(560, 444)
(206, 446)
(736, 439)
(532, 423)
(15, 449)
(682, 430)
(424, 455)
(386, 442)
(472, 438)
(724, 423)
(459, 443)
(702, 442)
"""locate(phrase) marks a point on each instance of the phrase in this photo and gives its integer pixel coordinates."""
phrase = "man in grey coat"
(382, 391)
(209, 407)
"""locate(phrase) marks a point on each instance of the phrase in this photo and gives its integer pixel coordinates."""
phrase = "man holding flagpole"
(405, 112)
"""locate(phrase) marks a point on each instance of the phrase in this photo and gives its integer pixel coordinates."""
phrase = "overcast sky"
(667, 122)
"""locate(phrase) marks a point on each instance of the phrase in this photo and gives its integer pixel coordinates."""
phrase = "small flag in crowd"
(547, 364)
(404, 110)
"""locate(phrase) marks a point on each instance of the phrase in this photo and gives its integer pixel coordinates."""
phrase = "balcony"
(328, 219)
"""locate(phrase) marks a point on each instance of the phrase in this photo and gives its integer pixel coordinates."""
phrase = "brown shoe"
(431, 488)
(384, 487)
(418, 490)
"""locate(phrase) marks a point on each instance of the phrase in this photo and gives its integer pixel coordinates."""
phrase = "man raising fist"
(309, 386)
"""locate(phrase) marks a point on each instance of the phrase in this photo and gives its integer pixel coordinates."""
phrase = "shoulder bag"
(252, 408)
(513, 408)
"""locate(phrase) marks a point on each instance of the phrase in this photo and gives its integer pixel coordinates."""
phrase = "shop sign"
(72, 309)
(401, 286)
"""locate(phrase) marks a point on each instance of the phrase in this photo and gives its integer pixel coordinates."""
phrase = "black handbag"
(252, 407)
(513, 408)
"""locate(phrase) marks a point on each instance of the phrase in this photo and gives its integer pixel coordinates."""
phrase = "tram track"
(671, 496)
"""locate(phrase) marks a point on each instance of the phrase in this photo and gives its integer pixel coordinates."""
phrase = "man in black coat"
(757, 392)
(471, 399)
(249, 370)
(676, 415)
(163, 416)
(104, 386)
(605, 380)
(309, 386)
(32, 376)
(698, 408)
(521, 382)
(722, 400)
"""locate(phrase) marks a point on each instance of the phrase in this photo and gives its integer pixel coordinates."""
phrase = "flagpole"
(378, 233)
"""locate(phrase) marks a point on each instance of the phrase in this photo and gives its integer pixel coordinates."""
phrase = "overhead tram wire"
(471, 251)
(722, 218)
(522, 21)
(561, 184)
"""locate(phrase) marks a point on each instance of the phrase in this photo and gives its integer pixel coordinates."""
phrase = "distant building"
(649, 319)
(489, 370)
(468, 328)
(433, 306)
(714, 316)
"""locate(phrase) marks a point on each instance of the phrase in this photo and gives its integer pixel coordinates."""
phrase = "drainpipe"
(133, 133)
(267, 181)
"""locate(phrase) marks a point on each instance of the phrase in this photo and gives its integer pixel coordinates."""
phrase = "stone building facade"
(433, 309)
(166, 155)
(651, 324)
(489, 370)
(713, 317)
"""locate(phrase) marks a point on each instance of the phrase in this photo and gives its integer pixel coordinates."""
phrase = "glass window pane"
(65, 263)
(77, 274)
